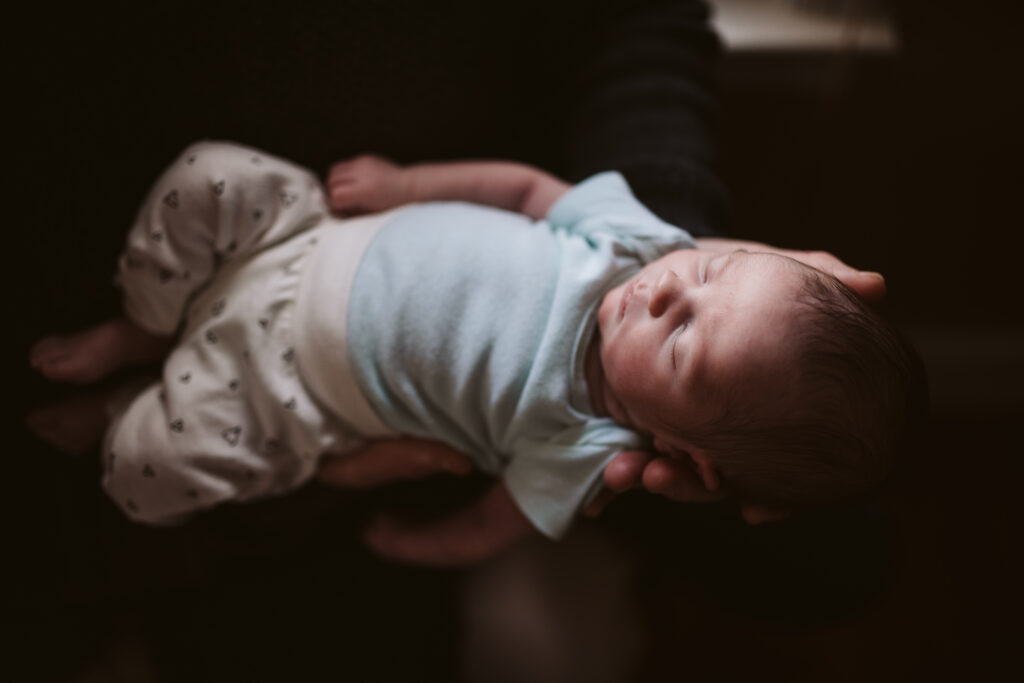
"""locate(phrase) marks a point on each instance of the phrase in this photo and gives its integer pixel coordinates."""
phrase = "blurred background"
(890, 133)
(887, 132)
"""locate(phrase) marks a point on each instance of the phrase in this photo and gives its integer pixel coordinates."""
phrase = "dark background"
(907, 164)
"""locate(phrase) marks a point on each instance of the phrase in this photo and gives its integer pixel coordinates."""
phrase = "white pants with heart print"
(216, 255)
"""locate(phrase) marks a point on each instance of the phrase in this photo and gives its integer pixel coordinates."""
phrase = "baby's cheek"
(633, 379)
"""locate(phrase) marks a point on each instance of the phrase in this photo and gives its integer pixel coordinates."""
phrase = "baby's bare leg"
(94, 353)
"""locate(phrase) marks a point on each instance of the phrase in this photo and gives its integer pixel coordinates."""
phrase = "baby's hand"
(367, 184)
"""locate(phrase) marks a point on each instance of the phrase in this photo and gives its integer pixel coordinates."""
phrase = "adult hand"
(668, 476)
(655, 472)
(467, 536)
(389, 461)
(464, 537)
(869, 285)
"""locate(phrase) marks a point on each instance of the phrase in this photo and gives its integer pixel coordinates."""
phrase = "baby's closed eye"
(674, 341)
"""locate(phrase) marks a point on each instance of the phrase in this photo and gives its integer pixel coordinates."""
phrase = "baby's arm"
(370, 183)
(468, 536)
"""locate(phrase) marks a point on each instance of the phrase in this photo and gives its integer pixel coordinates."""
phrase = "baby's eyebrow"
(728, 261)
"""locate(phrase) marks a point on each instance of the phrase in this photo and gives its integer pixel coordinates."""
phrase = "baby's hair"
(836, 430)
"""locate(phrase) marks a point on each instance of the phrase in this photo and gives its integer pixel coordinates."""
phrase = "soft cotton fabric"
(303, 335)
(470, 325)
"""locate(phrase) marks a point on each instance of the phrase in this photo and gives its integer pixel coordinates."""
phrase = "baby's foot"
(74, 425)
(94, 353)
(81, 357)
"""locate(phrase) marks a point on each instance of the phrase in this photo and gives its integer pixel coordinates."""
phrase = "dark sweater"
(573, 86)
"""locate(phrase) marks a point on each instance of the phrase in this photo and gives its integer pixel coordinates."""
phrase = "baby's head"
(770, 376)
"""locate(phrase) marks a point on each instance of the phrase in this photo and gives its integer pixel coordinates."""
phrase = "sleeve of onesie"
(603, 205)
(551, 482)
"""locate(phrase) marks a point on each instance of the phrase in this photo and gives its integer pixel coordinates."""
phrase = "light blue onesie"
(470, 325)
(302, 335)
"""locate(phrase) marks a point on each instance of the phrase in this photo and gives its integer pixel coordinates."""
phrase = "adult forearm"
(468, 536)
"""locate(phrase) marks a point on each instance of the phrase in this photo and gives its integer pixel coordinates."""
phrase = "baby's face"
(688, 326)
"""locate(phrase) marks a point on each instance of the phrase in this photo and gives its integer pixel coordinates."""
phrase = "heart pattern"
(182, 396)
(232, 435)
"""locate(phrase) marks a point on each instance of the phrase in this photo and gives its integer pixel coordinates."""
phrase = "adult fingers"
(673, 478)
(753, 513)
(625, 470)
(600, 502)
(870, 286)
(621, 474)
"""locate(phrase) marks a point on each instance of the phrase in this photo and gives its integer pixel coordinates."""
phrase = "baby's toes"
(49, 425)
(41, 421)
(63, 359)
(66, 369)
(54, 357)
(74, 426)
(45, 350)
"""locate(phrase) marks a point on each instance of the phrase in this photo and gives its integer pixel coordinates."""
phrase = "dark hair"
(835, 430)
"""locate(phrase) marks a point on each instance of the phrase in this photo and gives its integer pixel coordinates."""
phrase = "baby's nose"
(665, 289)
